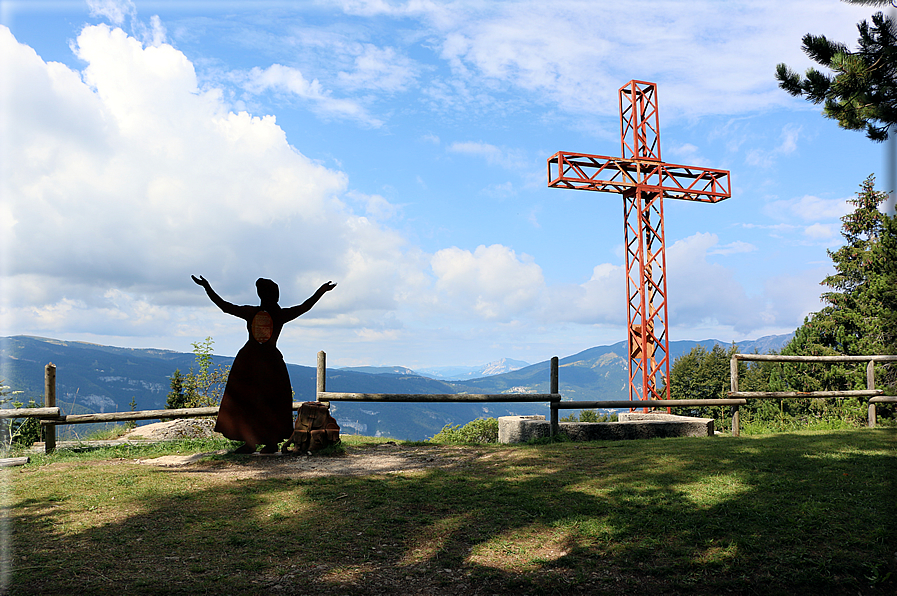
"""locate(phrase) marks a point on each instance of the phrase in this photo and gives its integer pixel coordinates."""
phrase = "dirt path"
(383, 458)
(387, 458)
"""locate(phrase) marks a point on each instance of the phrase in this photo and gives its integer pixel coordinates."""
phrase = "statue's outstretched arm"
(221, 303)
(295, 311)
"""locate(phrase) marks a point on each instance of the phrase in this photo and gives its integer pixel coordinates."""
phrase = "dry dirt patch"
(384, 458)
(387, 458)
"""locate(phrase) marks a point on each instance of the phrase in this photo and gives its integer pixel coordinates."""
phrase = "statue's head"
(267, 290)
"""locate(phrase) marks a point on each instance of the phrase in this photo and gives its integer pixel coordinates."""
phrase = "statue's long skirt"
(258, 399)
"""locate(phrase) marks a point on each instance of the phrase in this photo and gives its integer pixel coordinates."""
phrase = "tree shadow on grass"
(771, 514)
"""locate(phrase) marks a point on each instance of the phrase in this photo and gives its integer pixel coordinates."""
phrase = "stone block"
(632, 425)
(520, 429)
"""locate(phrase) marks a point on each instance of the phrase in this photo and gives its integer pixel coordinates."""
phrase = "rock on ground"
(172, 430)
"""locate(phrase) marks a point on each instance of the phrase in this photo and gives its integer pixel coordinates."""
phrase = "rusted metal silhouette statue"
(257, 406)
(644, 180)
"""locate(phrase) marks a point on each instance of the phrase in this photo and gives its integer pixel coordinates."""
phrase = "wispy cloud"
(807, 208)
(819, 231)
(767, 157)
(732, 248)
(500, 191)
(499, 156)
(288, 80)
(516, 45)
(114, 10)
(381, 69)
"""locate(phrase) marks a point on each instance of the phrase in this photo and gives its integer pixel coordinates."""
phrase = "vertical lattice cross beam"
(646, 287)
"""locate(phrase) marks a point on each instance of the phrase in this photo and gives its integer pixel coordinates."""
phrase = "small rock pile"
(172, 430)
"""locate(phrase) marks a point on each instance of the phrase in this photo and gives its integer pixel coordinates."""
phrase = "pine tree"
(888, 261)
(862, 92)
(852, 322)
(887, 284)
(177, 397)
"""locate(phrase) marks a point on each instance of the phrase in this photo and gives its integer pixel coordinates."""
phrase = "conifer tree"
(177, 397)
(862, 91)
(852, 322)
(887, 260)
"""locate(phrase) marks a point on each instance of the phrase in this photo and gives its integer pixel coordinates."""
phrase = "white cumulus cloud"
(492, 280)
(122, 180)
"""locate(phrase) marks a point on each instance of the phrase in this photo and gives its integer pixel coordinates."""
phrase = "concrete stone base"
(520, 429)
(632, 425)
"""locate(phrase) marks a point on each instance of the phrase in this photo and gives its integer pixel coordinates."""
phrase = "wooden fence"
(553, 396)
(876, 396)
(51, 416)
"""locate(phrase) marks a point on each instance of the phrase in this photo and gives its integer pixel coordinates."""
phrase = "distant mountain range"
(95, 378)
(448, 373)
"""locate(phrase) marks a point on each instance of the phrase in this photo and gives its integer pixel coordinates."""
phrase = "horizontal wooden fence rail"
(813, 394)
(128, 416)
(871, 392)
(780, 358)
(30, 413)
(50, 418)
(647, 403)
(135, 415)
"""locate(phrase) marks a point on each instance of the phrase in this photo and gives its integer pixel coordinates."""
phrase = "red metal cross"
(644, 180)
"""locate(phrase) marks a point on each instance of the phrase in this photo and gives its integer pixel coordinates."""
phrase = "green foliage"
(886, 259)
(481, 430)
(862, 91)
(589, 416)
(178, 396)
(131, 424)
(860, 318)
(25, 431)
(17, 431)
(703, 375)
(201, 388)
(108, 432)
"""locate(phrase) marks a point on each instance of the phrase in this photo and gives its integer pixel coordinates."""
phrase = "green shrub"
(19, 431)
(481, 430)
(589, 416)
(27, 431)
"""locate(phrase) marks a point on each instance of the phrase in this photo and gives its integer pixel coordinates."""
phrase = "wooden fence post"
(553, 389)
(870, 384)
(49, 402)
(733, 381)
(321, 379)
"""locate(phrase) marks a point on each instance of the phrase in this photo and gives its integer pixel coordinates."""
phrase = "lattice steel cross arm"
(644, 180)
(581, 171)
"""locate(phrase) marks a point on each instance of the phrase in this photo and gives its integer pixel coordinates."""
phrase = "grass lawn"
(793, 513)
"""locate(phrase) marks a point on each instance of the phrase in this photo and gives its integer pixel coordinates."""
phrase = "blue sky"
(399, 149)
